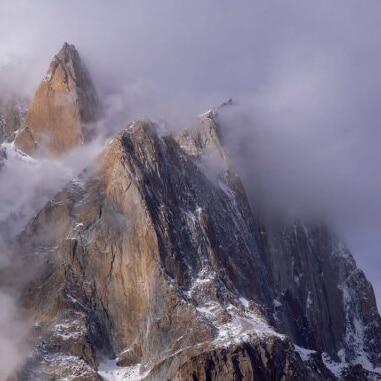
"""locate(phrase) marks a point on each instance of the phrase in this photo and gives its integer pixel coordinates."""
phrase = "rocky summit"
(63, 109)
(152, 264)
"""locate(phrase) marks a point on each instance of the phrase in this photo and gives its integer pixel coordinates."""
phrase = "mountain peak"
(63, 108)
(68, 62)
(67, 49)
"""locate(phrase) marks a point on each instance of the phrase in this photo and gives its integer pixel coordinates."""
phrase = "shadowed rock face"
(325, 301)
(63, 108)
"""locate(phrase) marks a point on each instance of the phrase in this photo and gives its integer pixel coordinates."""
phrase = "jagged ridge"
(63, 108)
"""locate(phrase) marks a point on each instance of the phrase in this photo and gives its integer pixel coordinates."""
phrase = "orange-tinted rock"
(63, 108)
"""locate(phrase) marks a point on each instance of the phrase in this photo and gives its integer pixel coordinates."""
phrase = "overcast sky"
(304, 73)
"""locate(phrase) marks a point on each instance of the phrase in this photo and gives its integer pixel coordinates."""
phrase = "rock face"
(63, 108)
(154, 256)
(152, 264)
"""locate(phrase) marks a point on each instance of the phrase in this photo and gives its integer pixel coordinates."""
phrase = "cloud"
(13, 330)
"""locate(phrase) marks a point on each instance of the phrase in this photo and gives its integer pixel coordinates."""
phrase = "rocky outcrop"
(63, 109)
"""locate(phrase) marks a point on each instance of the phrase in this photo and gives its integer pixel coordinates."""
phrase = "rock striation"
(63, 109)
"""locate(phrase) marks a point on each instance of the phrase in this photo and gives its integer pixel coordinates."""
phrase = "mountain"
(153, 264)
(63, 109)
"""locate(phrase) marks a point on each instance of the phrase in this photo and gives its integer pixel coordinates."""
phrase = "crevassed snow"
(109, 371)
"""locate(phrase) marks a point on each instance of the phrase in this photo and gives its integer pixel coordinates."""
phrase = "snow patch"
(73, 365)
(355, 332)
(109, 371)
(244, 301)
(209, 309)
(243, 324)
(69, 330)
(204, 277)
(13, 153)
(304, 353)
(335, 367)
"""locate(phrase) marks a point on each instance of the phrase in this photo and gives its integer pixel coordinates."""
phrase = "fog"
(304, 77)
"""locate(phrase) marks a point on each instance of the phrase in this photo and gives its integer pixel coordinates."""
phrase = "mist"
(304, 77)
(13, 331)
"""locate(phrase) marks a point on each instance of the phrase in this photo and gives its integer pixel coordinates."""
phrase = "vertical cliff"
(323, 300)
(63, 108)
